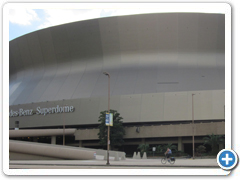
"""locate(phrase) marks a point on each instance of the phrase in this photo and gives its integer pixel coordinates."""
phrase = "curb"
(171, 166)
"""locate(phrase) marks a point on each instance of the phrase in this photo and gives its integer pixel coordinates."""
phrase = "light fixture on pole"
(108, 138)
(193, 125)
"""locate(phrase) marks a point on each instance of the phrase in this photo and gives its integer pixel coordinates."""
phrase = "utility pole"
(193, 125)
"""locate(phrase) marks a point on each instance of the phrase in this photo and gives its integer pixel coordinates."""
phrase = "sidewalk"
(200, 163)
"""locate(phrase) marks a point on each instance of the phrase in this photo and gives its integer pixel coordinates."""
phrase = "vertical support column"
(180, 144)
(80, 143)
(16, 125)
(53, 140)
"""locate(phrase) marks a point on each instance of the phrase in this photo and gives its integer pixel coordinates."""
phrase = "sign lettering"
(41, 111)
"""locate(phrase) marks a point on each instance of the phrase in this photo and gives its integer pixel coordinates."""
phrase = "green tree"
(143, 148)
(201, 149)
(163, 148)
(117, 131)
(213, 141)
(159, 149)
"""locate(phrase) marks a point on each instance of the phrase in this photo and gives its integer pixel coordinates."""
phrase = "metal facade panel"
(60, 39)
(109, 35)
(16, 89)
(204, 105)
(125, 83)
(12, 68)
(128, 33)
(38, 64)
(188, 37)
(218, 104)
(86, 84)
(176, 106)
(93, 79)
(88, 113)
(56, 83)
(130, 108)
(147, 32)
(101, 86)
(209, 33)
(114, 104)
(152, 107)
(15, 79)
(25, 53)
(17, 59)
(168, 32)
(22, 92)
(146, 81)
(145, 86)
(35, 50)
(12, 74)
(42, 85)
(47, 47)
(72, 80)
(143, 53)
(156, 107)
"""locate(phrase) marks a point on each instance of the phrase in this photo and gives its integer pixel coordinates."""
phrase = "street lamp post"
(108, 140)
(193, 125)
(63, 125)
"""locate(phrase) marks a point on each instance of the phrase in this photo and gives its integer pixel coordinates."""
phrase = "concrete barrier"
(102, 152)
(138, 155)
(116, 158)
(105, 156)
(144, 155)
(134, 155)
(49, 150)
(123, 156)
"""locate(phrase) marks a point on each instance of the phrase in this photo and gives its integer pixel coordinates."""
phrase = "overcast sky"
(25, 19)
(22, 21)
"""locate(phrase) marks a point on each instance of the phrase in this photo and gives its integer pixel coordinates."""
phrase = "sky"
(23, 21)
(26, 19)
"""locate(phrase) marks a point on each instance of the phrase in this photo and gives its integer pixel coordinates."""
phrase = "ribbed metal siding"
(143, 53)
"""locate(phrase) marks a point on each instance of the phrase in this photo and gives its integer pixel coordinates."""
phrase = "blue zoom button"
(227, 159)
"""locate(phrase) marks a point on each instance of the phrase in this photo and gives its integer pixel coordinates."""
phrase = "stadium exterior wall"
(144, 54)
(156, 63)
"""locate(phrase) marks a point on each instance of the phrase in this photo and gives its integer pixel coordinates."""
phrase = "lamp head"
(106, 73)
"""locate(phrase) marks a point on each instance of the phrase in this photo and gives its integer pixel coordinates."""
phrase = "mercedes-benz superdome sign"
(41, 111)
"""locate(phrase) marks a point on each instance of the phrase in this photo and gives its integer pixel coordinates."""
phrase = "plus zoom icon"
(227, 159)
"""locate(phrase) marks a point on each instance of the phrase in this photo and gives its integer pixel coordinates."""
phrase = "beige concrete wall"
(86, 134)
(201, 129)
(137, 142)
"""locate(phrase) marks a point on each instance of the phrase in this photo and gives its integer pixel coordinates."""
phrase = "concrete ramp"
(40, 132)
(20, 150)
